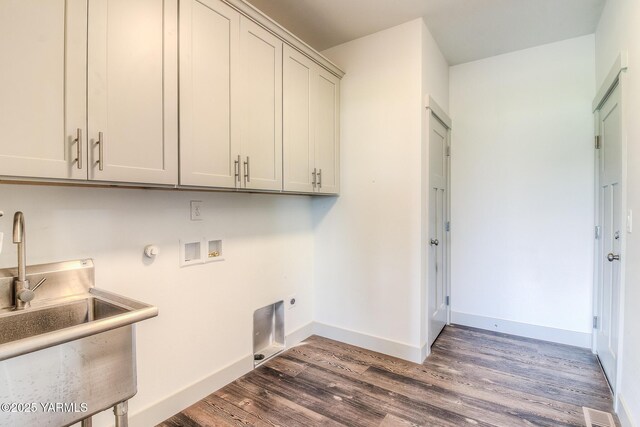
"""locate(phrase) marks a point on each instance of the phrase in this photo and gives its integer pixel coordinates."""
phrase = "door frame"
(433, 111)
(615, 77)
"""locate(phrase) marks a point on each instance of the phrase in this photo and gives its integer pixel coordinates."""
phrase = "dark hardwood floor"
(471, 378)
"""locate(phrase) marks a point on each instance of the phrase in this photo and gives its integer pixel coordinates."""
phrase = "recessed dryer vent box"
(268, 332)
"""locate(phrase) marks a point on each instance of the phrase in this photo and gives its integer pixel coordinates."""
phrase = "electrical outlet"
(197, 213)
(292, 301)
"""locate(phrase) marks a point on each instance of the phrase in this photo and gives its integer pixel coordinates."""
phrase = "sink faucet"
(22, 291)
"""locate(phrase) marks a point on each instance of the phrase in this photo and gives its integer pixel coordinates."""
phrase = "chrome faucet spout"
(21, 284)
(19, 239)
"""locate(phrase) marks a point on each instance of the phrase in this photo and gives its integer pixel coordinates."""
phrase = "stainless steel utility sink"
(25, 324)
(67, 319)
(75, 345)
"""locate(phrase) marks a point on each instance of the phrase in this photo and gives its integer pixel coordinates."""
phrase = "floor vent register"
(594, 418)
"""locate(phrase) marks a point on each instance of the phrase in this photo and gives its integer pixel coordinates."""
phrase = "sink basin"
(67, 319)
(20, 325)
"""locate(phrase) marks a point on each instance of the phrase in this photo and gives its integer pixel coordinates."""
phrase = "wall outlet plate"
(292, 301)
(197, 213)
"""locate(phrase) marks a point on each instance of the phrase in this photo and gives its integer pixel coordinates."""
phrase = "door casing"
(434, 112)
(615, 78)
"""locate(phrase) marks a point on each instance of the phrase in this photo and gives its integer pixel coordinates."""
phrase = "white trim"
(279, 31)
(425, 351)
(615, 78)
(545, 333)
(171, 405)
(299, 335)
(621, 63)
(623, 413)
(370, 342)
(431, 104)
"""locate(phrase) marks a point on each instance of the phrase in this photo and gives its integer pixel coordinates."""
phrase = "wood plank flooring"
(471, 378)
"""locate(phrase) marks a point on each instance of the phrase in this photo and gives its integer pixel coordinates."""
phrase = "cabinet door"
(132, 90)
(209, 101)
(327, 132)
(299, 81)
(261, 73)
(42, 88)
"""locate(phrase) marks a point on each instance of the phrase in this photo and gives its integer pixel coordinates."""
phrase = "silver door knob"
(434, 242)
(613, 257)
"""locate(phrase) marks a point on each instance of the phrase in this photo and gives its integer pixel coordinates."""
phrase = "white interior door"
(610, 243)
(438, 214)
(43, 88)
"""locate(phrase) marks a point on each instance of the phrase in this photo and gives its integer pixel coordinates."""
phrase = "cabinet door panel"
(42, 88)
(327, 132)
(132, 86)
(209, 131)
(261, 63)
(298, 85)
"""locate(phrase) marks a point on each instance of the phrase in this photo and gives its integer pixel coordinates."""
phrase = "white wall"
(619, 30)
(522, 191)
(206, 311)
(435, 70)
(368, 241)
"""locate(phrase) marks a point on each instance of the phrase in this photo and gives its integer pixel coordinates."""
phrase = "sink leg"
(121, 410)
(86, 422)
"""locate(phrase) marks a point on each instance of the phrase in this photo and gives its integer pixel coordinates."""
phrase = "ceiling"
(466, 30)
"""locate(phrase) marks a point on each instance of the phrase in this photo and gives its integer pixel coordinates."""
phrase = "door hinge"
(597, 142)
(448, 151)
(447, 226)
(446, 300)
(597, 232)
(595, 322)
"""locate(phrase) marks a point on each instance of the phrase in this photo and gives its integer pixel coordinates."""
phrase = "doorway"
(439, 127)
(610, 228)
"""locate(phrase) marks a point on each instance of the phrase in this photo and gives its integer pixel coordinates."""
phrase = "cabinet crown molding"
(260, 18)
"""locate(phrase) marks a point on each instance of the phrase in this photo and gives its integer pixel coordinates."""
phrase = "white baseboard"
(189, 395)
(299, 334)
(623, 413)
(171, 405)
(545, 333)
(370, 342)
(425, 351)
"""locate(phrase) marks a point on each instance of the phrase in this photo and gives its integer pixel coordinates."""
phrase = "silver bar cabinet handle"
(247, 170)
(236, 168)
(319, 178)
(100, 143)
(78, 142)
(314, 175)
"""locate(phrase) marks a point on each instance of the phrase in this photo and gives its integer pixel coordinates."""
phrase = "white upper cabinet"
(261, 107)
(91, 90)
(133, 91)
(42, 88)
(310, 126)
(327, 133)
(209, 96)
(299, 78)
